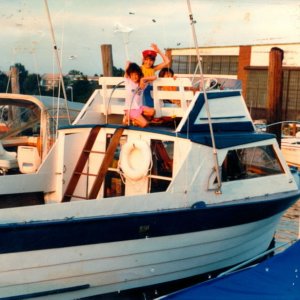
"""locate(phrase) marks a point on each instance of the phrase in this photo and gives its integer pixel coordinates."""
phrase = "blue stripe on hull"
(85, 231)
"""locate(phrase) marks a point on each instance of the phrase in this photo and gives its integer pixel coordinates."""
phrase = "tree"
(31, 84)
(75, 72)
(82, 90)
(22, 75)
(118, 72)
(3, 82)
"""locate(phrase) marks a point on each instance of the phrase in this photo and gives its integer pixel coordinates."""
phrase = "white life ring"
(135, 159)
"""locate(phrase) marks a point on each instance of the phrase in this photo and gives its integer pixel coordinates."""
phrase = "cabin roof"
(227, 112)
(43, 102)
(230, 139)
(222, 140)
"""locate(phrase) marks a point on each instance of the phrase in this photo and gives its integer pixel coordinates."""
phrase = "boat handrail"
(113, 96)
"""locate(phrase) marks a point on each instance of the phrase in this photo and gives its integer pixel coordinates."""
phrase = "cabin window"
(211, 64)
(20, 121)
(19, 125)
(256, 98)
(114, 185)
(250, 163)
(162, 165)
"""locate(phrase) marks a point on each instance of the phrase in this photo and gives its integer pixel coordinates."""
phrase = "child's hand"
(128, 62)
(143, 84)
(154, 47)
(146, 80)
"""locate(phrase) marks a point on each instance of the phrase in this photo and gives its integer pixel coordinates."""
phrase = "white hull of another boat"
(107, 268)
(291, 150)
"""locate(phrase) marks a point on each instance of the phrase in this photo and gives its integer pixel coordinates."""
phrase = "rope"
(215, 153)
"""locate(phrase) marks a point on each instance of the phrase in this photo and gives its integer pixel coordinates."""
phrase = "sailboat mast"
(57, 59)
(215, 152)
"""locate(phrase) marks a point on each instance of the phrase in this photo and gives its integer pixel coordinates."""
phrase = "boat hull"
(291, 153)
(90, 256)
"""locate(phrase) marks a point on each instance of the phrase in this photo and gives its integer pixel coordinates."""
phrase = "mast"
(215, 153)
(57, 59)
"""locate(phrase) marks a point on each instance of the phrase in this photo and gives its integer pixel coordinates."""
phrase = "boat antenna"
(57, 60)
(215, 153)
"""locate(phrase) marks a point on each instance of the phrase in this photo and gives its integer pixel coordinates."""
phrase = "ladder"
(83, 158)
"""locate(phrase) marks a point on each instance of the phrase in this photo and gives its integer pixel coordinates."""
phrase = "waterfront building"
(248, 63)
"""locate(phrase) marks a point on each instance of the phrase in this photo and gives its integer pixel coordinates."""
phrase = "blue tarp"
(277, 278)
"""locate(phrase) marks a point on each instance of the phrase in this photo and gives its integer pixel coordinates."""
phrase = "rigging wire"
(58, 109)
(36, 70)
(8, 82)
(57, 60)
(215, 153)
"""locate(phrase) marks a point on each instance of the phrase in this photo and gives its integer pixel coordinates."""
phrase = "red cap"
(150, 53)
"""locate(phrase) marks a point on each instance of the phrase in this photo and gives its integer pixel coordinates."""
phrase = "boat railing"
(91, 112)
(171, 97)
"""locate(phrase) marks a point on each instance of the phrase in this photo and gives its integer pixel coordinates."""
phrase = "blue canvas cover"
(222, 116)
(277, 278)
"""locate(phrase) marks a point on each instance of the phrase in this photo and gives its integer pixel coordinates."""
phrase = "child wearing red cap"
(135, 84)
(149, 69)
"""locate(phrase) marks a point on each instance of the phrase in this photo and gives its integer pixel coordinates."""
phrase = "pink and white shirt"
(134, 95)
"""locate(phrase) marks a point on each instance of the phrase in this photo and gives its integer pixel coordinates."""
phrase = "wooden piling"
(107, 60)
(244, 61)
(169, 55)
(14, 112)
(275, 88)
(14, 75)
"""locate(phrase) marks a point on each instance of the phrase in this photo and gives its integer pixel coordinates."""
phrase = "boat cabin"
(97, 157)
(28, 128)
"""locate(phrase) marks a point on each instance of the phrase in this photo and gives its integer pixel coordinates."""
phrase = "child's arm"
(126, 67)
(165, 58)
(145, 80)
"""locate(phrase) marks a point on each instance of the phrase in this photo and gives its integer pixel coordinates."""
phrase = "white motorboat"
(290, 147)
(95, 208)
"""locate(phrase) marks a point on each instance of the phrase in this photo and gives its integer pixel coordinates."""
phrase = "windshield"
(33, 122)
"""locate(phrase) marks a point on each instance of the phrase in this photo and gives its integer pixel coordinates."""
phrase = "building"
(50, 81)
(250, 65)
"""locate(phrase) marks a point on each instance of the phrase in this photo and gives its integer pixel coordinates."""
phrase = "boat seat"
(28, 159)
(8, 160)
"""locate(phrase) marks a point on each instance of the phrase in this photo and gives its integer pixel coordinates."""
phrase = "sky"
(80, 27)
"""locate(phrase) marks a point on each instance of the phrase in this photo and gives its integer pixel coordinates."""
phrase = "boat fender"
(135, 159)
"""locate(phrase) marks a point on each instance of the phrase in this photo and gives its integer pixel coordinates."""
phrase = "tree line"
(78, 87)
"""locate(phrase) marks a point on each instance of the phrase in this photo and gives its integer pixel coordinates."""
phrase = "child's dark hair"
(163, 72)
(134, 68)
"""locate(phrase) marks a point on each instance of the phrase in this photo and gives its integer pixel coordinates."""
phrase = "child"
(135, 83)
(166, 72)
(169, 73)
(149, 69)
